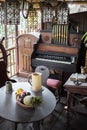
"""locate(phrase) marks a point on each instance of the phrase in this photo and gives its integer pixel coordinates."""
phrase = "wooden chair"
(52, 84)
(3, 66)
(55, 86)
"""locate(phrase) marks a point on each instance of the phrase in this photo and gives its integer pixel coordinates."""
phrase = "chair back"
(45, 73)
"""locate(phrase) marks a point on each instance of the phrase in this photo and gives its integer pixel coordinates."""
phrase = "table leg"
(36, 125)
(68, 108)
(16, 125)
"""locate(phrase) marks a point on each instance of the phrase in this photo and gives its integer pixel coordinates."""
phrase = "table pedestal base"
(36, 125)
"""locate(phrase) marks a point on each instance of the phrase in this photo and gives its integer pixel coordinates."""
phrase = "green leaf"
(85, 40)
(36, 101)
(84, 37)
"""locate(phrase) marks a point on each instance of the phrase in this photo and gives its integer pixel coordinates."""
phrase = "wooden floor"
(56, 121)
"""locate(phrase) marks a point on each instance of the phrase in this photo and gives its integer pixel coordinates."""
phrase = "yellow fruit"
(18, 92)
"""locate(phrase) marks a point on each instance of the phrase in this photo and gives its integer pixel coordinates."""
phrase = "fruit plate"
(23, 105)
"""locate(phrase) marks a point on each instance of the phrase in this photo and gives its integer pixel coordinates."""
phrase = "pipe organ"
(53, 49)
(60, 32)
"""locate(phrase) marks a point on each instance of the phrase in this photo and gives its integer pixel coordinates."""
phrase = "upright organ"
(58, 49)
(56, 57)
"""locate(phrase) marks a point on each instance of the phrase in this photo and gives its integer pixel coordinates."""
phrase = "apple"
(27, 100)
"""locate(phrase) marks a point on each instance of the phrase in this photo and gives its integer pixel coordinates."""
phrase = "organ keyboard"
(55, 57)
(55, 61)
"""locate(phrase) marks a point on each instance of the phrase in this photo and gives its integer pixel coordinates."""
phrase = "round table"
(9, 109)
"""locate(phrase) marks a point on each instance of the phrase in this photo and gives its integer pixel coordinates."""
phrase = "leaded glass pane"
(12, 12)
(48, 14)
(62, 14)
(33, 21)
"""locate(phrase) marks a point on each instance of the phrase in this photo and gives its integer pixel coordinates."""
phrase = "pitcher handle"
(30, 79)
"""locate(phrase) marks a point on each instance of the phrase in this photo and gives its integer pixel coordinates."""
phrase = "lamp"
(26, 7)
(36, 5)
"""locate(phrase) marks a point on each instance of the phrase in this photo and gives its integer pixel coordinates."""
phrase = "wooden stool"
(55, 86)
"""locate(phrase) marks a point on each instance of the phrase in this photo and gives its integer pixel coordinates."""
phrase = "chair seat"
(53, 83)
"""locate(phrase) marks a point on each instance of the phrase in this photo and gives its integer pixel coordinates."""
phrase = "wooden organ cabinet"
(25, 47)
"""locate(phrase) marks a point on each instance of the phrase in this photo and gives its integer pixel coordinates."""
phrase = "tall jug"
(35, 79)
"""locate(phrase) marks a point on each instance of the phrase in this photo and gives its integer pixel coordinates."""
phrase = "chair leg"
(58, 94)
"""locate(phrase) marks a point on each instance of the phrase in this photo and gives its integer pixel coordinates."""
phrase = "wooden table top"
(76, 88)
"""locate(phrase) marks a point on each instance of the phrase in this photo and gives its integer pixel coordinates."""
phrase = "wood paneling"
(70, 50)
(79, 19)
